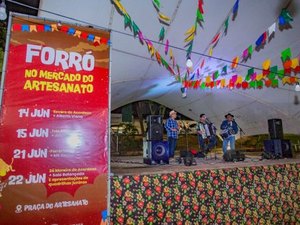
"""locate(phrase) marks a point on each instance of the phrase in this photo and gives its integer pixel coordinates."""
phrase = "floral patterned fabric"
(250, 195)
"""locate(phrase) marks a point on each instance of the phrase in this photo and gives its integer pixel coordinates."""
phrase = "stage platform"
(253, 191)
(133, 165)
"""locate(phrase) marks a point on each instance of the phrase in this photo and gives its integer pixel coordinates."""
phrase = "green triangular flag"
(162, 34)
(252, 84)
(250, 50)
(156, 3)
(275, 83)
(164, 62)
(216, 75)
(178, 78)
(250, 71)
(135, 28)
(260, 83)
(273, 72)
(189, 50)
(224, 70)
(199, 16)
(286, 15)
(247, 78)
(286, 54)
(280, 73)
(127, 21)
(203, 85)
(226, 24)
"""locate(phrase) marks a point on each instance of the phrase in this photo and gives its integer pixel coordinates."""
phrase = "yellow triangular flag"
(77, 33)
(210, 51)
(295, 63)
(286, 80)
(190, 31)
(259, 76)
(171, 53)
(97, 39)
(32, 28)
(54, 27)
(223, 83)
(266, 64)
(208, 80)
(239, 79)
(164, 17)
(189, 38)
(120, 6)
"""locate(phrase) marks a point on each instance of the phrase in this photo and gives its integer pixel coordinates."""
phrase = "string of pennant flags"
(142, 38)
(192, 31)
(96, 40)
(268, 76)
(289, 65)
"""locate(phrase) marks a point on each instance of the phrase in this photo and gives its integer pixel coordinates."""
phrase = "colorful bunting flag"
(271, 29)
(235, 62)
(156, 3)
(164, 18)
(286, 54)
(161, 34)
(261, 40)
(235, 7)
(215, 39)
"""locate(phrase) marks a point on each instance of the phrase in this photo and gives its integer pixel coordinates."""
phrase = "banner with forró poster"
(54, 124)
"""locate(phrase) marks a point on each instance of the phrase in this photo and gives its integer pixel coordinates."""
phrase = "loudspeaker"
(275, 128)
(188, 158)
(155, 128)
(286, 149)
(233, 156)
(277, 149)
(156, 152)
(273, 147)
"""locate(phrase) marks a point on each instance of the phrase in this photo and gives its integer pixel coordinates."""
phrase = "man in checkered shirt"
(172, 132)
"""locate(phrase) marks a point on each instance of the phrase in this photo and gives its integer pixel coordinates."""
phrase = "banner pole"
(109, 138)
(5, 58)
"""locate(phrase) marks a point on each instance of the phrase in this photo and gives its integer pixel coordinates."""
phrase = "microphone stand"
(241, 132)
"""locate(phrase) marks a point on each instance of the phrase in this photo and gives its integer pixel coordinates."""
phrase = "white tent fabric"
(134, 76)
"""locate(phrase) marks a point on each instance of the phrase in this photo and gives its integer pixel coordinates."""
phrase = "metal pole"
(5, 58)
(109, 175)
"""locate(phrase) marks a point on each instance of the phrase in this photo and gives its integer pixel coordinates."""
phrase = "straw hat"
(172, 112)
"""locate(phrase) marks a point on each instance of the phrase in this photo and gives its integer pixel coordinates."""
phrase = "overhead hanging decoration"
(65, 29)
(267, 77)
(192, 31)
(137, 32)
(222, 32)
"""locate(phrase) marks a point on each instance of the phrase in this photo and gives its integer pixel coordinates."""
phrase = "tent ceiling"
(134, 76)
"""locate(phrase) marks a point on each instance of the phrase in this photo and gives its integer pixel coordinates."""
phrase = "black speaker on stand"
(275, 128)
(154, 128)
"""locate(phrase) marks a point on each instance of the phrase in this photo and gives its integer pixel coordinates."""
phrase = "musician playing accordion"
(228, 130)
(206, 134)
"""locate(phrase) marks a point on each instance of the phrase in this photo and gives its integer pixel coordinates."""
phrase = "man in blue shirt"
(228, 130)
(172, 132)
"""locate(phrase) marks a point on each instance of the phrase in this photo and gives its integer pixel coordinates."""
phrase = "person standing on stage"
(206, 134)
(228, 130)
(172, 128)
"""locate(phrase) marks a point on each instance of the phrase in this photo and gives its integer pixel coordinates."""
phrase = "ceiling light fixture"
(3, 14)
(189, 63)
(297, 87)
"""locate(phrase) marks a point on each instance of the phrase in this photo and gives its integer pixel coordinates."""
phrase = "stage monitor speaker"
(156, 152)
(273, 148)
(233, 156)
(286, 148)
(275, 128)
(155, 128)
